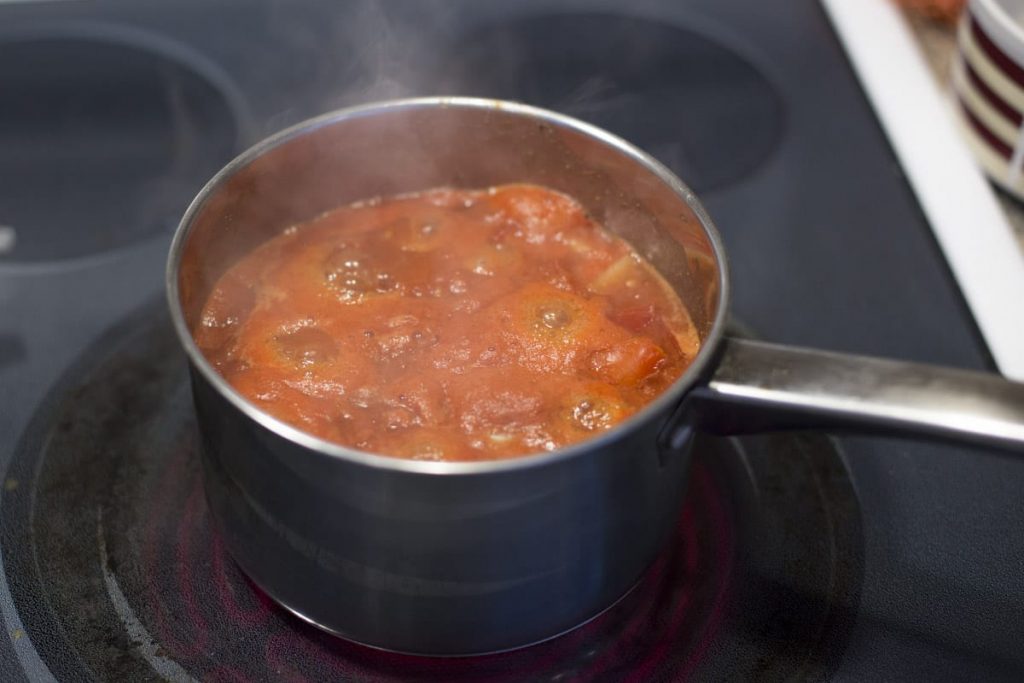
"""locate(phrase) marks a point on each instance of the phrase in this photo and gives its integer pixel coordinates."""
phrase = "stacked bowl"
(988, 77)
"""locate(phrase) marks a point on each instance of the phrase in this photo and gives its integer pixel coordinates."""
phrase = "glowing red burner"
(215, 623)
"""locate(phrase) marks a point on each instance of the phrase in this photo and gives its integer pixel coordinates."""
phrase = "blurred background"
(839, 146)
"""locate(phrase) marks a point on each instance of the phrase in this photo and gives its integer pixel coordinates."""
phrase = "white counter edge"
(960, 205)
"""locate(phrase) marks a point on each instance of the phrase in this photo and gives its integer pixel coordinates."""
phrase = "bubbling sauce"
(448, 325)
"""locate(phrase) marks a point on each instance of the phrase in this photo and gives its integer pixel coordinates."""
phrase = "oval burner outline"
(640, 89)
(112, 181)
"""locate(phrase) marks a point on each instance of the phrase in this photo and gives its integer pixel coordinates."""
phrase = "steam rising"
(369, 51)
(696, 104)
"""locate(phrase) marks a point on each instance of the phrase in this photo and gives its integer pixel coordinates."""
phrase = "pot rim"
(666, 401)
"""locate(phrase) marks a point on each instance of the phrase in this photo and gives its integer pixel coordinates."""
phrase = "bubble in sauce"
(306, 346)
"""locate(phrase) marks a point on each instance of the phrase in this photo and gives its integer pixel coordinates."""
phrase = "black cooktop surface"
(797, 556)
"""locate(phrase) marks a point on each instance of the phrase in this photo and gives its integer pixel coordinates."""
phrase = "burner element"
(116, 573)
(695, 104)
(195, 599)
(102, 144)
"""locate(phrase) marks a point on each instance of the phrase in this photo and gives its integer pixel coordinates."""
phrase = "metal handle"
(758, 387)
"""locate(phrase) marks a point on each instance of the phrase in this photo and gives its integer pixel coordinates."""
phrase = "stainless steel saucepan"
(462, 558)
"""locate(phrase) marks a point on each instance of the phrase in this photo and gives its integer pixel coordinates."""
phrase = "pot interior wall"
(396, 149)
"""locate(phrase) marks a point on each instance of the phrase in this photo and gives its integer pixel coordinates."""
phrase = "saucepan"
(445, 558)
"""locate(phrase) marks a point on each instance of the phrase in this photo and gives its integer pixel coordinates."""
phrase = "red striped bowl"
(988, 78)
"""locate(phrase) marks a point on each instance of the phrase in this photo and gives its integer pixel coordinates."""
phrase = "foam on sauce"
(448, 325)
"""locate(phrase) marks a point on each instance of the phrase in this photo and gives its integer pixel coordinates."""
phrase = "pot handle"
(760, 387)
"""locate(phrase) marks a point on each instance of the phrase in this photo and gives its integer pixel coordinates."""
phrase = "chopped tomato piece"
(633, 318)
(628, 362)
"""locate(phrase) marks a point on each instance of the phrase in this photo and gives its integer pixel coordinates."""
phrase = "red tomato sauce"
(448, 325)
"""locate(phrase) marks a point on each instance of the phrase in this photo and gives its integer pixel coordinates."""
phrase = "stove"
(796, 556)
